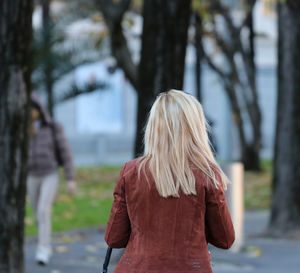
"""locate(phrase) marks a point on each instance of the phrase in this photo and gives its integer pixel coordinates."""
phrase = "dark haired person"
(48, 149)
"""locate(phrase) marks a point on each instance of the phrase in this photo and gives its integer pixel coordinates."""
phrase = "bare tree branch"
(213, 66)
(76, 91)
(113, 12)
(237, 77)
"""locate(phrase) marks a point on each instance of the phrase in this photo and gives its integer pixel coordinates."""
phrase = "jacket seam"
(118, 204)
(222, 222)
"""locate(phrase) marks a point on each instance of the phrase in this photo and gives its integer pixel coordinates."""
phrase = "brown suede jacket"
(166, 234)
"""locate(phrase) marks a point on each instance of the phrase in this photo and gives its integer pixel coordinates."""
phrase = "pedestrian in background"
(48, 149)
(170, 203)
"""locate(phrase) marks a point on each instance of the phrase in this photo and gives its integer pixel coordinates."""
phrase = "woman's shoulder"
(203, 180)
(131, 167)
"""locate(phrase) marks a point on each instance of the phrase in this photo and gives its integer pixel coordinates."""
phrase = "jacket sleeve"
(218, 225)
(118, 227)
(64, 152)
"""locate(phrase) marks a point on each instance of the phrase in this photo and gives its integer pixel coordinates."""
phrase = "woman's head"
(176, 141)
(35, 111)
(38, 111)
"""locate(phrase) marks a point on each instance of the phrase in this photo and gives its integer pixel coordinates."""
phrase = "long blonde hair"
(176, 141)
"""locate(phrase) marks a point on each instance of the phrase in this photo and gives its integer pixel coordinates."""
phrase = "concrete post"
(235, 200)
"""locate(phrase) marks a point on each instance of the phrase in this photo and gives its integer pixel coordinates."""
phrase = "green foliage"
(201, 8)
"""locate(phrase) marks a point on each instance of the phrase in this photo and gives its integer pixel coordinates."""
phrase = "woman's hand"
(71, 187)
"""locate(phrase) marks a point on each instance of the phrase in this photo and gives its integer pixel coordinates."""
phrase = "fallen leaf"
(64, 198)
(28, 220)
(61, 249)
(68, 215)
(252, 251)
(90, 248)
(91, 259)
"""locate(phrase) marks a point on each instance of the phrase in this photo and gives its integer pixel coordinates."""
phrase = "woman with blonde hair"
(170, 203)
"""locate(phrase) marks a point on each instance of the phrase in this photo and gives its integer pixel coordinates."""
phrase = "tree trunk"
(49, 89)
(251, 152)
(48, 67)
(199, 56)
(45, 11)
(161, 68)
(15, 39)
(285, 215)
(164, 41)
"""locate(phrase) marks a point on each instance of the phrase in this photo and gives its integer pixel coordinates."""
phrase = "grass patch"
(257, 190)
(267, 165)
(91, 204)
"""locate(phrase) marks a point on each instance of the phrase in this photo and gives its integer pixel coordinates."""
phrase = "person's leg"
(47, 194)
(33, 190)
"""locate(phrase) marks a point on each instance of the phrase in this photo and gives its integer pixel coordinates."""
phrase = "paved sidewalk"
(83, 252)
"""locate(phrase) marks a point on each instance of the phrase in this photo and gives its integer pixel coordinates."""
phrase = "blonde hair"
(176, 142)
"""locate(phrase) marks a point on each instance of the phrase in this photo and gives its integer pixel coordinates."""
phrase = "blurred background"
(100, 120)
(84, 82)
(99, 65)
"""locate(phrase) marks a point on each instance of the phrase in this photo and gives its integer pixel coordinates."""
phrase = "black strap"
(106, 261)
